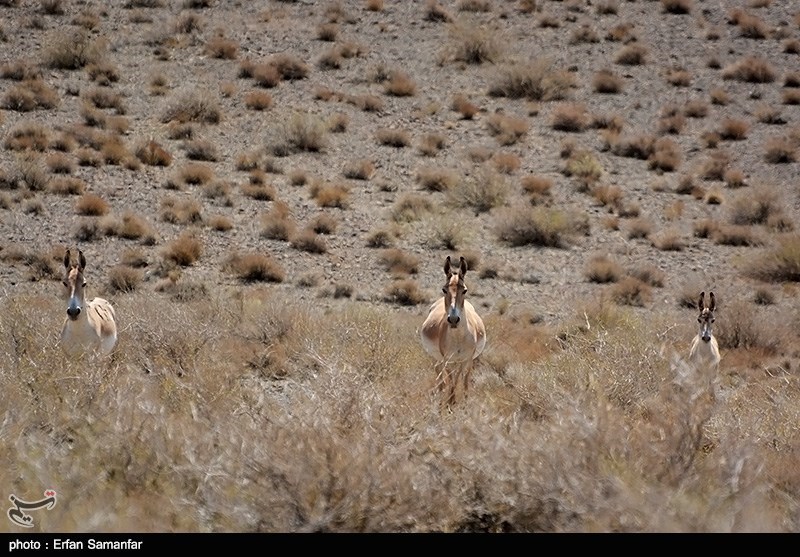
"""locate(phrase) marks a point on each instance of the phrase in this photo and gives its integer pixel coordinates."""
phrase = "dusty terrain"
(629, 152)
(144, 44)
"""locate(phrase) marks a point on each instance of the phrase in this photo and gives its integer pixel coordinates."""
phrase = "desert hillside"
(266, 191)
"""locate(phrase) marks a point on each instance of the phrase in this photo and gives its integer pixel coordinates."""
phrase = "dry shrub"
(537, 187)
(181, 211)
(756, 206)
(361, 169)
(751, 69)
(130, 227)
(602, 269)
(737, 235)
(741, 326)
(607, 195)
(323, 224)
(607, 82)
(30, 94)
(570, 117)
(91, 205)
(465, 107)
(338, 122)
(195, 173)
(482, 191)
(220, 223)
(259, 190)
(27, 136)
(666, 155)
(153, 154)
(411, 207)
(780, 150)
(474, 44)
(536, 81)
(380, 238)
(583, 166)
(277, 223)
(735, 178)
(650, 275)
(679, 77)
(676, 6)
(193, 106)
(696, 108)
(431, 144)
(289, 67)
(393, 137)
(436, 12)
(258, 100)
(59, 163)
(634, 54)
(200, 150)
(309, 241)
(507, 129)
(630, 291)
(184, 250)
(404, 292)
(779, 263)
(67, 186)
(790, 97)
(733, 129)
(436, 179)
(715, 165)
(506, 163)
(301, 132)
(331, 195)
(668, 240)
(222, 48)
(400, 84)
(537, 226)
(255, 267)
(399, 262)
(72, 50)
(671, 124)
(122, 278)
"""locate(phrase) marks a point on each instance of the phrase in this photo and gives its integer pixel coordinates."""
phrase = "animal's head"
(74, 283)
(706, 317)
(454, 290)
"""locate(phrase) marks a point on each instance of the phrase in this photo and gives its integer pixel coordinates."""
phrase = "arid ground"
(266, 191)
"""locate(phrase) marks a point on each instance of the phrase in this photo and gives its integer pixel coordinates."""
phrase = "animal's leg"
(466, 375)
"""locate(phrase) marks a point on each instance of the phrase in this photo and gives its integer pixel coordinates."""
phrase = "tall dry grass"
(249, 411)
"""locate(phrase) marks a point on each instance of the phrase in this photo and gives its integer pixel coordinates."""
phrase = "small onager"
(705, 350)
(453, 333)
(89, 327)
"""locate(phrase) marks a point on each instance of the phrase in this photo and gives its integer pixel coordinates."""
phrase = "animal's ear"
(463, 270)
(700, 303)
(66, 260)
(447, 266)
(713, 305)
(82, 260)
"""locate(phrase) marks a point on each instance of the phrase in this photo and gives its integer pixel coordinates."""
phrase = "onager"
(704, 352)
(453, 334)
(88, 327)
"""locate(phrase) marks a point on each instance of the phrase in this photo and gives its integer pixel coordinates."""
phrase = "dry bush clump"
(537, 226)
(255, 267)
(750, 69)
(184, 250)
(432, 178)
(193, 106)
(602, 269)
(481, 191)
(92, 205)
(539, 80)
(399, 262)
(778, 263)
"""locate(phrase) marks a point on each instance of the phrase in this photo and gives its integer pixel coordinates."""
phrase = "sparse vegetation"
(271, 254)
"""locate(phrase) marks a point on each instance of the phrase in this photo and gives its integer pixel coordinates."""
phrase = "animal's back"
(105, 323)
(478, 326)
